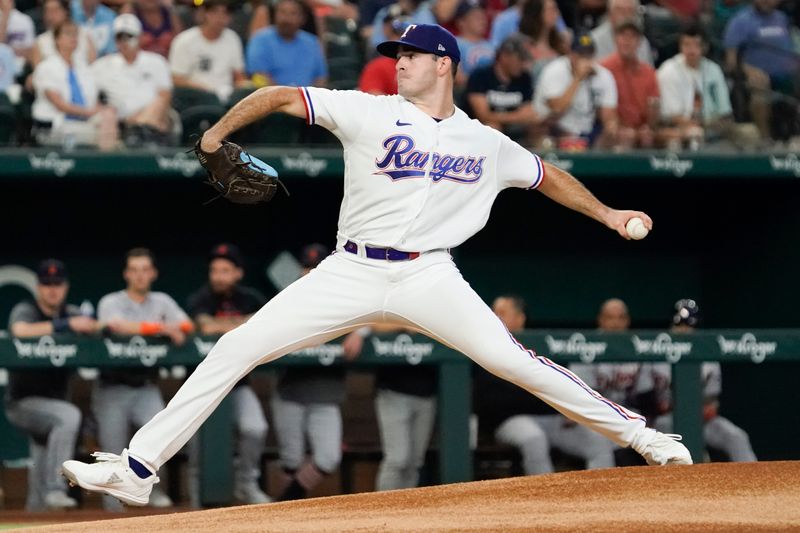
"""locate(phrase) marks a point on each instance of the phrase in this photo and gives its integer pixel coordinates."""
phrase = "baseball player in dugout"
(526, 423)
(719, 433)
(36, 400)
(218, 307)
(420, 179)
(306, 408)
(130, 397)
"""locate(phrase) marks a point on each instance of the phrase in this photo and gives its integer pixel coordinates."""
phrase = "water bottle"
(87, 309)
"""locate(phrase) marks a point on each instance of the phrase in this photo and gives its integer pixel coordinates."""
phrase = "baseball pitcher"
(420, 179)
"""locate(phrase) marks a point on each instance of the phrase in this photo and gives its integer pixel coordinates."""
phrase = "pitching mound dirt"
(708, 497)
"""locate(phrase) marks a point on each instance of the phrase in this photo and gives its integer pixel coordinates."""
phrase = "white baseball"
(636, 228)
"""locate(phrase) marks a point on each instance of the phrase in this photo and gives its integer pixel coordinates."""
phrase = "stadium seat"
(239, 94)
(184, 97)
(196, 119)
(343, 53)
(8, 124)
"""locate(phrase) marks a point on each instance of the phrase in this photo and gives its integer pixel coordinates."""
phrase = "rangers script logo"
(401, 161)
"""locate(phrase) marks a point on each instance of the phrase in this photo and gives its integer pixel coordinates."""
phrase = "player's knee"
(253, 432)
(397, 462)
(735, 434)
(70, 418)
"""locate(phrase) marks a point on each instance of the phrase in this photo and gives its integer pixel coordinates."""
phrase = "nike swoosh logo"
(398, 123)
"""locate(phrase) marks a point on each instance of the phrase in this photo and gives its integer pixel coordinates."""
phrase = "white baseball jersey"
(413, 183)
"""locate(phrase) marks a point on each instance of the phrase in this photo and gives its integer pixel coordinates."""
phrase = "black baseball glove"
(238, 176)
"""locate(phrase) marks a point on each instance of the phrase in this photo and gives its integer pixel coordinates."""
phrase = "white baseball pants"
(346, 292)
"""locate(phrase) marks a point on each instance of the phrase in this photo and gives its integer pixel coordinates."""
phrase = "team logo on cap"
(408, 29)
(402, 161)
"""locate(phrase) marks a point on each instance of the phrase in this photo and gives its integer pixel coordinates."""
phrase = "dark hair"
(139, 252)
(58, 30)
(211, 4)
(517, 301)
(693, 29)
(532, 24)
(64, 5)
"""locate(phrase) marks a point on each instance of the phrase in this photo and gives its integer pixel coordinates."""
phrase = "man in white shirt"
(603, 35)
(695, 103)
(17, 31)
(573, 91)
(209, 56)
(136, 83)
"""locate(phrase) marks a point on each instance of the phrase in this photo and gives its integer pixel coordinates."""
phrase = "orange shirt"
(636, 85)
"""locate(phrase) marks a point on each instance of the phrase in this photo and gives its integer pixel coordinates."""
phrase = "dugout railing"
(685, 352)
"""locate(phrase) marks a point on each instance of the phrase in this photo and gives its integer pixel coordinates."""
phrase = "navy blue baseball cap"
(428, 38)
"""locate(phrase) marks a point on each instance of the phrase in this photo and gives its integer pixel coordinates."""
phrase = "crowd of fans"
(610, 74)
(305, 405)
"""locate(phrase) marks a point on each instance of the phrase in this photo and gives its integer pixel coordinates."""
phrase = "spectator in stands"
(97, 18)
(472, 23)
(500, 95)
(209, 57)
(7, 66)
(759, 40)
(695, 103)
(221, 305)
(66, 109)
(17, 31)
(284, 54)
(160, 24)
(637, 88)
(124, 399)
(540, 23)
(405, 406)
(379, 75)
(508, 22)
(719, 433)
(416, 11)
(251, 16)
(137, 85)
(306, 408)
(573, 91)
(36, 400)
(518, 419)
(603, 35)
(54, 13)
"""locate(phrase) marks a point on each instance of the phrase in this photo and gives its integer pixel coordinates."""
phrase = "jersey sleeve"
(108, 308)
(608, 89)
(517, 166)
(23, 312)
(344, 113)
(173, 311)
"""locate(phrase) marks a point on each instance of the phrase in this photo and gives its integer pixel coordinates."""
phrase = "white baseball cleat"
(111, 474)
(661, 448)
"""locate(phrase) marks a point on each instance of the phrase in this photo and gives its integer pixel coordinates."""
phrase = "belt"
(385, 254)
